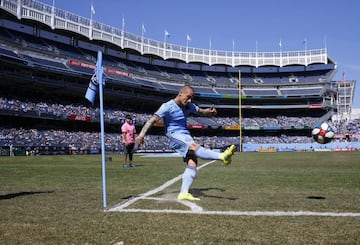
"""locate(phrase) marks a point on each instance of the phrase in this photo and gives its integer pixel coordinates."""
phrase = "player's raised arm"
(211, 111)
(139, 140)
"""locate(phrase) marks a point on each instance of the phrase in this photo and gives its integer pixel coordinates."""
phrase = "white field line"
(244, 213)
(127, 203)
(195, 209)
(193, 206)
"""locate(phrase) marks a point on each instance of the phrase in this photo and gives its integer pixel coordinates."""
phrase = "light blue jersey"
(174, 117)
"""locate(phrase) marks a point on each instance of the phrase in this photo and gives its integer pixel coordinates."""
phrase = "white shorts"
(180, 142)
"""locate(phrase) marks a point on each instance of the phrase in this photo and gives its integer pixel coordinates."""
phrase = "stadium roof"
(93, 30)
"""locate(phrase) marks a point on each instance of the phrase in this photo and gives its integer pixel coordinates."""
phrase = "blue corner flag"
(96, 84)
(92, 89)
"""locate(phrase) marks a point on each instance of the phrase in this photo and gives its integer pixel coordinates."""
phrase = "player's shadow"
(316, 197)
(23, 193)
(201, 192)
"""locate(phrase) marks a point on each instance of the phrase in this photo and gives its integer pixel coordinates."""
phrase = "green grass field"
(58, 200)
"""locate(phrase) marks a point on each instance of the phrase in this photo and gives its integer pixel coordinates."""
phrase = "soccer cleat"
(125, 166)
(227, 154)
(187, 196)
(132, 165)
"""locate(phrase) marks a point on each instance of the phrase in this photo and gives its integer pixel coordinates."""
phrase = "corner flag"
(97, 82)
(92, 89)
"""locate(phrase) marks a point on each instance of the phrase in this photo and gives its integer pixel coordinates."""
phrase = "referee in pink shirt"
(128, 137)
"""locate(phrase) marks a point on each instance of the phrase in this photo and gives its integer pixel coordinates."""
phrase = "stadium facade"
(50, 54)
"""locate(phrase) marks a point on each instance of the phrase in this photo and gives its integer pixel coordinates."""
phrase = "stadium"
(282, 95)
(266, 101)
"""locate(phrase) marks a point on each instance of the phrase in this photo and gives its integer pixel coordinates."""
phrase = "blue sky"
(331, 24)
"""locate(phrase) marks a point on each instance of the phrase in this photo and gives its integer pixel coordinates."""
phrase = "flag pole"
(99, 75)
(188, 39)
(143, 30)
(240, 114)
(123, 32)
(96, 84)
(166, 34)
(92, 12)
(280, 45)
(53, 15)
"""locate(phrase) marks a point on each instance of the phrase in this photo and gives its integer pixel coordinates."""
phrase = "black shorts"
(129, 148)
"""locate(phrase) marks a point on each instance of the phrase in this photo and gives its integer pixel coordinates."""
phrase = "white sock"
(187, 179)
(208, 154)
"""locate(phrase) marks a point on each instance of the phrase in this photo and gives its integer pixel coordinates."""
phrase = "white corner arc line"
(130, 201)
(193, 206)
(244, 213)
(195, 209)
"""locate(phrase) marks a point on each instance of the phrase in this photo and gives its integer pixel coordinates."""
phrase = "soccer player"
(128, 136)
(174, 114)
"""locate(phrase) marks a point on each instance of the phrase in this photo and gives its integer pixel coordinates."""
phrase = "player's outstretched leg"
(227, 154)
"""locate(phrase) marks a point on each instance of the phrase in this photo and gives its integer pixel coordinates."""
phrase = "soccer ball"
(323, 133)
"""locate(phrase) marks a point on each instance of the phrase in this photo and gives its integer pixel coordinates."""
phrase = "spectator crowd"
(91, 140)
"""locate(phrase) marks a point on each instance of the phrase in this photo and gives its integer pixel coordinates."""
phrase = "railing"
(61, 19)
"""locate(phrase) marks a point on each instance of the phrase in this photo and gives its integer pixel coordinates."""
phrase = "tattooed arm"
(139, 140)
